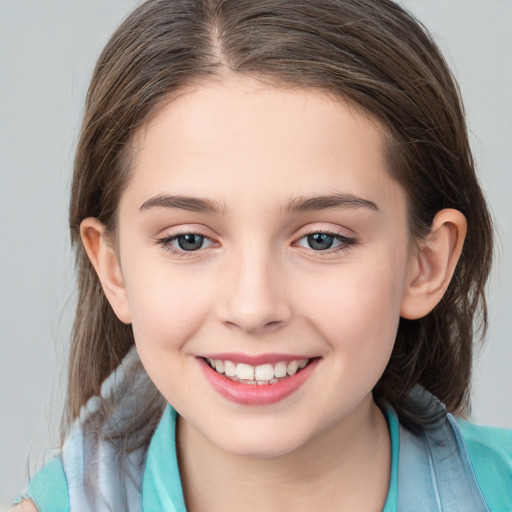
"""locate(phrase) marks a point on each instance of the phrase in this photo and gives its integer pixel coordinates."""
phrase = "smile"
(259, 384)
(261, 375)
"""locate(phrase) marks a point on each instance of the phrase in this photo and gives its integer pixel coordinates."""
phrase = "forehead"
(239, 141)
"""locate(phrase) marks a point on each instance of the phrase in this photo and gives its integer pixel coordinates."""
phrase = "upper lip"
(255, 360)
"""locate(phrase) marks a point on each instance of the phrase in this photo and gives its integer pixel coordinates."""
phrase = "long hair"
(372, 54)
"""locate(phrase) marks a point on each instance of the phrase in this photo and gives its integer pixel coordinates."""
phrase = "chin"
(259, 445)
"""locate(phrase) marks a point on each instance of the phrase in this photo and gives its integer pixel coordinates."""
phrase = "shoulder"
(47, 490)
(24, 506)
(488, 444)
(490, 451)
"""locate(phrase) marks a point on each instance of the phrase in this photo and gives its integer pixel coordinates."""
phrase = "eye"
(190, 241)
(320, 241)
(185, 242)
(323, 241)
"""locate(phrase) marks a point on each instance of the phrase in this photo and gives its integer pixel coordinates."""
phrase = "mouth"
(261, 375)
(260, 384)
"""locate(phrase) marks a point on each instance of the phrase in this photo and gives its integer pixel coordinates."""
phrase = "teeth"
(245, 371)
(280, 369)
(219, 366)
(230, 368)
(261, 375)
(291, 369)
(264, 372)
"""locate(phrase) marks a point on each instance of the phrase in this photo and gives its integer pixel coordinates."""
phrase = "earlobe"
(433, 264)
(105, 261)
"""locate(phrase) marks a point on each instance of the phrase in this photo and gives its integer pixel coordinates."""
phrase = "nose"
(255, 294)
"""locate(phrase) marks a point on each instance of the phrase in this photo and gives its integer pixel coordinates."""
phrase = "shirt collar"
(162, 489)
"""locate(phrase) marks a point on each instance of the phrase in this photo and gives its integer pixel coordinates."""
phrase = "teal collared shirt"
(162, 488)
(490, 450)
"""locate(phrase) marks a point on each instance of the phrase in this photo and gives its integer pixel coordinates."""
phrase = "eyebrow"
(295, 205)
(191, 204)
(330, 201)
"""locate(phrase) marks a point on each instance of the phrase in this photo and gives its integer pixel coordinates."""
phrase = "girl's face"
(261, 227)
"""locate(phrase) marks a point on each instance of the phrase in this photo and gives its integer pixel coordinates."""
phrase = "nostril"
(254, 326)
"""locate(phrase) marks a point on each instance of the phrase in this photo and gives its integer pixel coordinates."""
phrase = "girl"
(282, 249)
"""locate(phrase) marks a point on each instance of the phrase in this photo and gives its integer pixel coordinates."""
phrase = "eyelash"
(166, 241)
(345, 242)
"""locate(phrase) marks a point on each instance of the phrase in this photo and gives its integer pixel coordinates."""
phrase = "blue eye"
(321, 241)
(184, 242)
(190, 241)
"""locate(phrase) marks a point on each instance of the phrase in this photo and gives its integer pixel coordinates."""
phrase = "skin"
(256, 286)
(24, 506)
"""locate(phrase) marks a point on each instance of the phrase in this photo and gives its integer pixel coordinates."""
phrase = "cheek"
(166, 307)
(167, 311)
(357, 310)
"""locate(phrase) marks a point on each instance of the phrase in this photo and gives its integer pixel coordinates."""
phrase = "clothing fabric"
(451, 466)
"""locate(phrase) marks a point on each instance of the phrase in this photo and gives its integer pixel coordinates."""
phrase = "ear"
(433, 263)
(105, 261)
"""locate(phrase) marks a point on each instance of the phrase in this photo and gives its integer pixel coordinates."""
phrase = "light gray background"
(47, 51)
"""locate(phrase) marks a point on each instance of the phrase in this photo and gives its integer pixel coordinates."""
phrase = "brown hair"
(373, 54)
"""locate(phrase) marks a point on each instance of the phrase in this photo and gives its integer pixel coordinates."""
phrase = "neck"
(348, 464)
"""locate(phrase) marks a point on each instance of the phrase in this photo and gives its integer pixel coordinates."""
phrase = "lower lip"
(255, 394)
